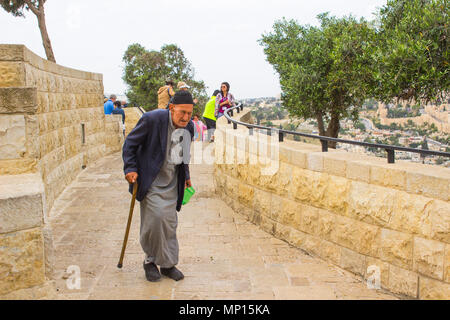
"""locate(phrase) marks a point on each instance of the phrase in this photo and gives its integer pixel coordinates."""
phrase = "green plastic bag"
(188, 194)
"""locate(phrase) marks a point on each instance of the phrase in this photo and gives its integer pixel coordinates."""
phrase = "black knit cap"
(182, 97)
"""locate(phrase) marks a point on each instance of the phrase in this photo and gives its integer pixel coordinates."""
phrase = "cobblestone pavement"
(221, 254)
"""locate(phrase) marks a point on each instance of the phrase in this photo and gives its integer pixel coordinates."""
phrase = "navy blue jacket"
(121, 112)
(144, 152)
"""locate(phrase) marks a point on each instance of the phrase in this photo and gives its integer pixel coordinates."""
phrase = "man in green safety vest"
(209, 116)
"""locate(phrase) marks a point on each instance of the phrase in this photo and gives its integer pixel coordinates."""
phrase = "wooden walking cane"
(127, 232)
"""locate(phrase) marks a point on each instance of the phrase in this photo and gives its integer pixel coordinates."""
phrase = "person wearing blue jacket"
(109, 105)
(156, 155)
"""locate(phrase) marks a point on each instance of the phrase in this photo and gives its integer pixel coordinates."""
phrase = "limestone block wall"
(52, 124)
(114, 137)
(53, 119)
(22, 261)
(352, 210)
(132, 117)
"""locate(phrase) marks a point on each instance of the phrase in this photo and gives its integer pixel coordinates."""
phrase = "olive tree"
(146, 71)
(18, 7)
(326, 72)
(412, 53)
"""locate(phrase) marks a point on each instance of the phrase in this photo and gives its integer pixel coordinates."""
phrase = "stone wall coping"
(113, 118)
(20, 53)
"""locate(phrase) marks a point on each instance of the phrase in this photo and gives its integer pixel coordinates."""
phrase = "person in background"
(184, 87)
(199, 128)
(118, 110)
(209, 116)
(124, 104)
(165, 94)
(109, 105)
(224, 100)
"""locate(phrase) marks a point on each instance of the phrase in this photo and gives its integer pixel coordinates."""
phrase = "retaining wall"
(52, 124)
(352, 210)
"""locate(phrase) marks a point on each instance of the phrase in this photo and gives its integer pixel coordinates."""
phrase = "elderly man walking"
(156, 155)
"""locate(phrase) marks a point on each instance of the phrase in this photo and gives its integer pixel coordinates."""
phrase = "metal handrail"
(324, 140)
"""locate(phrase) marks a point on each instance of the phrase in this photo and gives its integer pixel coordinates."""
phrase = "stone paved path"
(221, 254)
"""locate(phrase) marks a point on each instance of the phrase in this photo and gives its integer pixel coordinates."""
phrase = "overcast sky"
(220, 38)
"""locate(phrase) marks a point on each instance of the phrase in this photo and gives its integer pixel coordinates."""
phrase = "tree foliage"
(14, 7)
(325, 72)
(413, 50)
(144, 74)
(146, 71)
(17, 7)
